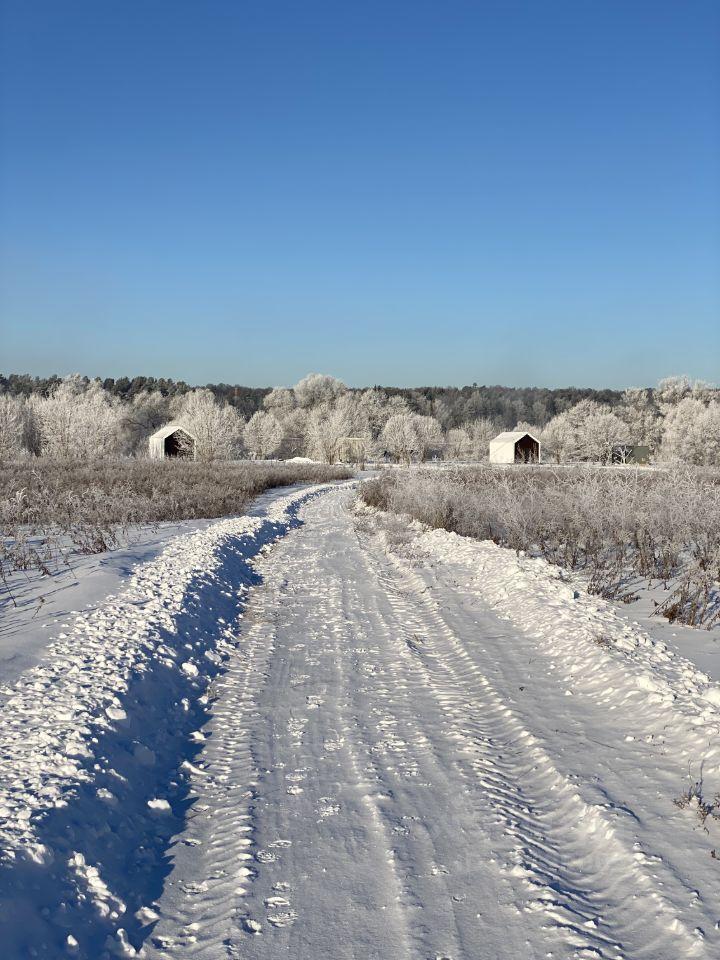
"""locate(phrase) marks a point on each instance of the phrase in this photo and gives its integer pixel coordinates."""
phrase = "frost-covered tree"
(641, 414)
(602, 431)
(457, 444)
(13, 419)
(373, 408)
(327, 426)
(294, 427)
(429, 436)
(587, 431)
(217, 427)
(671, 390)
(396, 405)
(399, 437)
(280, 402)
(692, 433)
(481, 432)
(141, 417)
(558, 440)
(445, 414)
(263, 435)
(318, 388)
(77, 421)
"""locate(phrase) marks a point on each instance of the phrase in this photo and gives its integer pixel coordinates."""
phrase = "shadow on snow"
(111, 850)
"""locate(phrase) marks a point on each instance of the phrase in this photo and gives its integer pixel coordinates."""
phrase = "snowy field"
(319, 732)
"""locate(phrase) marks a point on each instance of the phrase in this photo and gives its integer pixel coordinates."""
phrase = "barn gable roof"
(169, 429)
(512, 436)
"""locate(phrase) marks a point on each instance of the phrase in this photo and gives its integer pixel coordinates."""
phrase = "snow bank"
(97, 737)
(602, 655)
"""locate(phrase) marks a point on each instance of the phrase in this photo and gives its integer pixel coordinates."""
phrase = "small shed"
(630, 453)
(514, 446)
(172, 440)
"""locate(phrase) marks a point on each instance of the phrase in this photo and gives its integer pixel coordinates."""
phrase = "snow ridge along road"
(372, 742)
(97, 740)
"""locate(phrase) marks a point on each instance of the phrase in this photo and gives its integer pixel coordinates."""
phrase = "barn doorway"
(527, 450)
(180, 444)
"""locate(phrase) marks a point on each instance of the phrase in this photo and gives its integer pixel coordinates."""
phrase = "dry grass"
(614, 525)
(48, 509)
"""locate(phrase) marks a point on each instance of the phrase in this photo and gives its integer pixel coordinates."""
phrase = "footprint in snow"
(276, 902)
(296, 777)
(285, 919)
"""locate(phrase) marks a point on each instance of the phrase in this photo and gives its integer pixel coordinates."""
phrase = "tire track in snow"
(582, 876)
(203, 909)
(480, 759)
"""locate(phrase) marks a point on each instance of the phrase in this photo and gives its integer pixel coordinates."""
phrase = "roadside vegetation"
(51, 509)
(615, 526)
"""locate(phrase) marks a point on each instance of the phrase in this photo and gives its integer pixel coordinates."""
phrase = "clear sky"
(408, 193)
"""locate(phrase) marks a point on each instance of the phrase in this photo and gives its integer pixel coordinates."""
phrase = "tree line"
(454, 406)
(322, 419)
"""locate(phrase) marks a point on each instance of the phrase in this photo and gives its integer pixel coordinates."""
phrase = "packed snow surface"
(320, 733)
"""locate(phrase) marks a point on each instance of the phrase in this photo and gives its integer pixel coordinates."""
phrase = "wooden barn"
(514, 446)
(172, 440)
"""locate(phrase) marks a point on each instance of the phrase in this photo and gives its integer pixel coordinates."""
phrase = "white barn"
(172, 440)
(515, 446)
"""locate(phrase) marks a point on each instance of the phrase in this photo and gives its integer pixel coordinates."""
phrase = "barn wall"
(502, 452)
(157, 448)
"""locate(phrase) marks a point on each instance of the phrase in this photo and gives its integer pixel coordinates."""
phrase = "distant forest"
(452, 405)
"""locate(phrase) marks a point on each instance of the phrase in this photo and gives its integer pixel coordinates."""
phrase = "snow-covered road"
(393, 771)
(414, 747)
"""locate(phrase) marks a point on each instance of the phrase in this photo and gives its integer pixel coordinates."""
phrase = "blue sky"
(393, 192)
